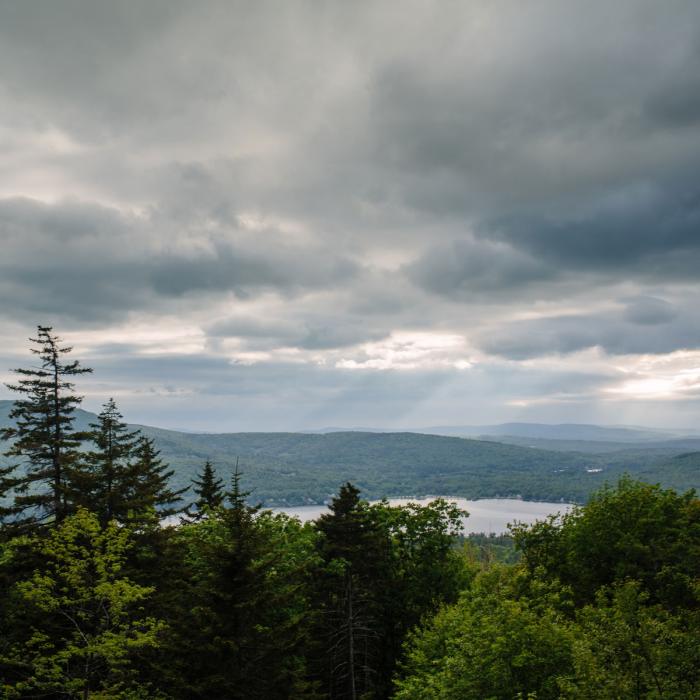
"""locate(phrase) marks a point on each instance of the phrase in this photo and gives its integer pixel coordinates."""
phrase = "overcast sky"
(290, 215)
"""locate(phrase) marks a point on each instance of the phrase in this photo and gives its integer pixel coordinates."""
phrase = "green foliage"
(634, 531)
(491, 644)
(422, 542)
(355, 557)
(78, 619)
(295, 469)
(490, 548)
(604, 604)
(623, 647)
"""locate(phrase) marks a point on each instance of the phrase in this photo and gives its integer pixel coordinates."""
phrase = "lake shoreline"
(488, 515)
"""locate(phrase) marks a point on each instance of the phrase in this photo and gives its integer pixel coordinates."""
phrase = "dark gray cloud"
(676, 102)
(91, 263)
(644, 326)
(649, 311)
(531, 107)
(465, 269)
(644, 230)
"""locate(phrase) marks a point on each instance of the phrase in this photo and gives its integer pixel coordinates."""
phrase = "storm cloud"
(83, 261)
(645, 326)
(403, 201)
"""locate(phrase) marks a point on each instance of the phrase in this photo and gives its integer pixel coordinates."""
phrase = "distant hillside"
(297, 468)
(678, 472)
(561, 431)
(82, 418)
(617, 437)
(662, 447)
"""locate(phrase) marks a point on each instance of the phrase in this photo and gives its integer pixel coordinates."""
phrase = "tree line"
(113, 585)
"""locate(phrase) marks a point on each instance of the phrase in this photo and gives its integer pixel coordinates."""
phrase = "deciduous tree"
(83, 619)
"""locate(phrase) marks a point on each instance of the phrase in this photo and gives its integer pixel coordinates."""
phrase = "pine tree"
(150, 494)
(107, 483)
(43, 436)
(209, 490)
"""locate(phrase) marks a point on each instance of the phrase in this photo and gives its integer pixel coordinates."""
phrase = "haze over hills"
(578, 436)
(543, 431)
(298, 468)
(564, 431)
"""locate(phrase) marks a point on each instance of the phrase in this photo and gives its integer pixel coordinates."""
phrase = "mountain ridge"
(288, 468)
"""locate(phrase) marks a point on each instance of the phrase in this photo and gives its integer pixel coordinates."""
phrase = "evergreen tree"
(241, 631)
(43, 436)
(8, 481)
(150, 495)
(107, 484)
(209, 490)
(237, 497)
(355, 552)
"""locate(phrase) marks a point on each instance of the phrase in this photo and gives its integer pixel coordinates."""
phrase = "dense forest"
(99, 599)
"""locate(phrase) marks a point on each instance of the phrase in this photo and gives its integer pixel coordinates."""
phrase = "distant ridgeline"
(300, 468)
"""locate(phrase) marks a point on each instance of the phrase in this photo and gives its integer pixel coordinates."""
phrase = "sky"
(293, 215)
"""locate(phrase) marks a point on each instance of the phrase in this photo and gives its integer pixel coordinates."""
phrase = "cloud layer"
(387, 213)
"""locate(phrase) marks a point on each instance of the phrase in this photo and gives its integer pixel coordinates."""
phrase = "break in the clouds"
(285, 215)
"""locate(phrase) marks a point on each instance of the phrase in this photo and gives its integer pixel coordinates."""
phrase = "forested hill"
(298, 468)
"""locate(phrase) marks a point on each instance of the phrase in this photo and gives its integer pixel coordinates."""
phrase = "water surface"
(485, 515)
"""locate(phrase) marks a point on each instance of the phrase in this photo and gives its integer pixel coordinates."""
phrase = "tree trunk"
(351, 638)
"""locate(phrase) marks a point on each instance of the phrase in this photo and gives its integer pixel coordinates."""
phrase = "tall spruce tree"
(8, 481)
(209, 490)
(354, 551)
(150, 494)
(242, 630)
(107, 485)
(43, 437)
(237, 497)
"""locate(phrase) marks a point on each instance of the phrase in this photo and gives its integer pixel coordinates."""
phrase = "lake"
(485, 515)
